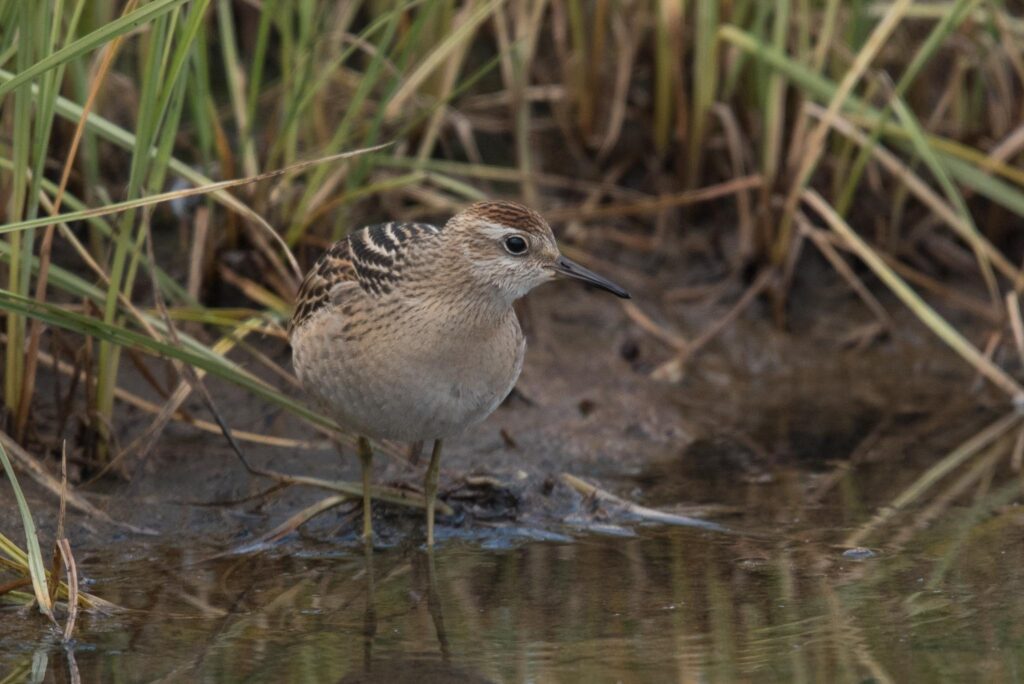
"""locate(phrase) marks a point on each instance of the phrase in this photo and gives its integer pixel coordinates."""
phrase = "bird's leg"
(430, 489)
(366, 458)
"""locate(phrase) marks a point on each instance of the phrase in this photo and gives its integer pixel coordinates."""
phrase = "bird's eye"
(515, 245)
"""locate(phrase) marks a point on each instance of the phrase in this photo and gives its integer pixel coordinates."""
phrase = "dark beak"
(570, 268)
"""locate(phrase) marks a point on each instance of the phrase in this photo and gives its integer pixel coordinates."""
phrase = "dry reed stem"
(747, 237)
(657, 204)
(952, 297)
(947, 333)
(815, 145)
(293, 523)
(194, 281)
(626, 50)
(636, 510)
(1013, 309)
(72, 574)
(673, 369)
(1017, 457)
(655, 329)
(925, 194)
(817, 236)
(61, 513)
(1008, 147)
(206, 426)
(393, 495)
(253, 290)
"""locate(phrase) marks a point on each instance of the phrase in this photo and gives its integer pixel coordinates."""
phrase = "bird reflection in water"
(393, 668)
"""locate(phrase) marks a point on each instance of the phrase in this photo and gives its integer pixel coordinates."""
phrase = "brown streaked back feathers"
(371, 258)
(333, 267)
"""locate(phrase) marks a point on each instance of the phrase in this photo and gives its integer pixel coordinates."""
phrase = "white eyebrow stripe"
(497, 230)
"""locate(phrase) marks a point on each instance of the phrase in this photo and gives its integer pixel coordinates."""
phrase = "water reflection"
(392, 668)
(875, 571)
(50, 661)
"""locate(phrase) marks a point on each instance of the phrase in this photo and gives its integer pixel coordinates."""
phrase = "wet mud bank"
(796, 446)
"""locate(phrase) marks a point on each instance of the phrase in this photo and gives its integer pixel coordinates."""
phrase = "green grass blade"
(775, 97)
(236, 84)
(37, 569)
(931, 160)
(814, 146)
(451, 42)
(705, 84)
(121, 336)
(140, 202)
(824, 90)
(923, 55)
(120, 26)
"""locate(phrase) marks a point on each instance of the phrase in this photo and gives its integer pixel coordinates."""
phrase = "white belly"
(429, 386)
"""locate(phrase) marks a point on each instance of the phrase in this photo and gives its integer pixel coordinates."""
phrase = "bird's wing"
(379, 251)
(370, 258)
(331, 275)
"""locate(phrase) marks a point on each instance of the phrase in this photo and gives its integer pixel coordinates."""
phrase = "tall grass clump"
(886, 131)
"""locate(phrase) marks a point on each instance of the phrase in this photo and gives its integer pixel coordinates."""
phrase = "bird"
(406, 331)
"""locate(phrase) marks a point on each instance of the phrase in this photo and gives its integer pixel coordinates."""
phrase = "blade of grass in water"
(934, 474)
(37, 569)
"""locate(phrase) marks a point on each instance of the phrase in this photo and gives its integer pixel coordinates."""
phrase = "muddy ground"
(754, 400)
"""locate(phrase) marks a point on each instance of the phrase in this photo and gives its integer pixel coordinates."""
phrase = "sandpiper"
(406, 331)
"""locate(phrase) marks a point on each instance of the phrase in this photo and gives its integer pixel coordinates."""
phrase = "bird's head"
(510, 249)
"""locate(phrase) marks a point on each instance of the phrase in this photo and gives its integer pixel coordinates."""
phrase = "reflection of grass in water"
(670, 603)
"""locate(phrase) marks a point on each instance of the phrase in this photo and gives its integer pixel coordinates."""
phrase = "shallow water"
(788, 594)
